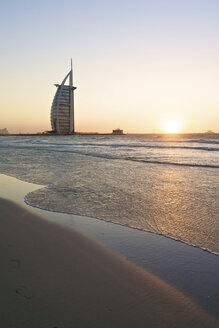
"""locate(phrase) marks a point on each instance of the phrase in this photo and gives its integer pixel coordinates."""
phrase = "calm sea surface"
(167, 185)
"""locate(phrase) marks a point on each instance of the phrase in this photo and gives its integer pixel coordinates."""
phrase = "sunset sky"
(142, 66)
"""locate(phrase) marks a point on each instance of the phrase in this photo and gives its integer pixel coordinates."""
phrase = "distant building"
(62, 111)
(209, 132)
(4, 131)
(117, 131)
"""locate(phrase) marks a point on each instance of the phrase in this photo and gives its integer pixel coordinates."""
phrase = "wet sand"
(53, 276)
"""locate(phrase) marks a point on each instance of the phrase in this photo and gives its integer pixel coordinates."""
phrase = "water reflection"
(168, 200)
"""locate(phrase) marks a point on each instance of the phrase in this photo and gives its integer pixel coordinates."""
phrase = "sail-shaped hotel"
(62, 111)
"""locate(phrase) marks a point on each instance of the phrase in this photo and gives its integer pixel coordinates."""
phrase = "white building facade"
(62, 110)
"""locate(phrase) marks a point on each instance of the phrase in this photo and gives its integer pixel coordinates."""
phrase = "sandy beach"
(52, 276)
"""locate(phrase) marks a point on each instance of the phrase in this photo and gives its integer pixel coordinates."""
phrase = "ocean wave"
(134, 159)
(208, 141)
(117, 223)
(174, 163)
(138, 146)
(121, 157)
(117, 146)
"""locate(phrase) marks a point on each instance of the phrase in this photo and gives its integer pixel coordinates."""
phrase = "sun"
(171, 125)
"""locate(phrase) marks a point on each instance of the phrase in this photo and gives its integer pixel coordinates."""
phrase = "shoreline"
(37, 207)
(165, 260)
(54, 275)
(42, 212)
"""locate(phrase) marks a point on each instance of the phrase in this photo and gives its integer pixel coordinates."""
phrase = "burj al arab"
(62, 110)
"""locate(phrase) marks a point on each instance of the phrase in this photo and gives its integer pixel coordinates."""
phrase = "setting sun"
(172, 125)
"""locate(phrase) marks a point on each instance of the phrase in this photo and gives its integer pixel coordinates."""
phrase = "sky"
(142, 66)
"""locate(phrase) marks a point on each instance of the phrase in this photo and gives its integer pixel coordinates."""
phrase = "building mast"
(72, 116)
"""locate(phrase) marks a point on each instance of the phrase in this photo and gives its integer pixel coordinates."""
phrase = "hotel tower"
(62, 111)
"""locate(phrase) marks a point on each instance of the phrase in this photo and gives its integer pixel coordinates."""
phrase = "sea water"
(164, 184)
